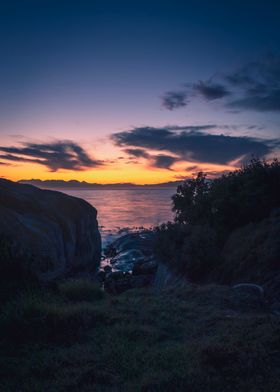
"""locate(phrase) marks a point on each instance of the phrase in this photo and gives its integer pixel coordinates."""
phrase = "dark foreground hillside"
(220, 333)
(199, 338)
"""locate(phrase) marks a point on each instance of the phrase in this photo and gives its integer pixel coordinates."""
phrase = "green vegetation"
(192, 251)
(219, 218)
(16, 272)
(191, 339)
(72, 336)
(232, 200)
(80, 290)
(44, 317)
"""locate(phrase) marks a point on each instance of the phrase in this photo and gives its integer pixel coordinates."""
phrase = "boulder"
(144, 267)
(59, 232)
(129, 249)
(126, 259)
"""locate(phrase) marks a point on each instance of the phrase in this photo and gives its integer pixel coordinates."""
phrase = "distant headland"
(88, 185)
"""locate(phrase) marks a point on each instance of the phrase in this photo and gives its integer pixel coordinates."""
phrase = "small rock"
(117, 275)
(101, 276)
(275, 308)
(117, 286)
(249, 288)
(107, 269)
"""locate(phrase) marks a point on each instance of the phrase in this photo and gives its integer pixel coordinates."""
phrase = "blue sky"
(84, 70)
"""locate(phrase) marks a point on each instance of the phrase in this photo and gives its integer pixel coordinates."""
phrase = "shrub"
(188, 249)
(191, 202)
(80, 290)
(231, 201)
(209, 212)
(245, 196)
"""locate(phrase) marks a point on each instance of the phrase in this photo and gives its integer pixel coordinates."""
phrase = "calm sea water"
(127, 208)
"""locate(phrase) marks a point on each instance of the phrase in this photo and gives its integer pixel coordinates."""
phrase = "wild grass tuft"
(80, 290)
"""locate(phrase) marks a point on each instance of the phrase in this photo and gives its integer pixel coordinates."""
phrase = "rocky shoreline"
(129, 262)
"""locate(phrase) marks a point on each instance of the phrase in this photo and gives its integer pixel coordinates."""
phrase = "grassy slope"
(200, 338)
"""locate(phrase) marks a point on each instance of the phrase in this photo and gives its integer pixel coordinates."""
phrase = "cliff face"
(58, 232)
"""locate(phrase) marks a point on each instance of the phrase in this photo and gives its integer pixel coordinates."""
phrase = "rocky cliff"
(58, 232)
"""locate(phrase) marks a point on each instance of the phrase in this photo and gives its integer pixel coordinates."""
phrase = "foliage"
(41, 317)
(209, 212)
(190, 339)
(246, 195)
(251, 254)
(80, 290)
(191, 250)
(232, 200)
(191, 202)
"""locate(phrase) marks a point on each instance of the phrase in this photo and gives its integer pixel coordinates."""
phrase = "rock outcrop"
(129, 263)
(59, 232)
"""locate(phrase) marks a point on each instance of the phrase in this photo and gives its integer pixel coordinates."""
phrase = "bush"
(192, 202)
(80, 290)
(209, 212)
(188, 249)
(231, 201)
(245, 196)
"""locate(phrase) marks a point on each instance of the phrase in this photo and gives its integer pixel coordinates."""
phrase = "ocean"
(125, 210)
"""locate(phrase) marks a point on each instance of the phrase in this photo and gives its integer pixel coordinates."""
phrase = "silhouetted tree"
(191, 202)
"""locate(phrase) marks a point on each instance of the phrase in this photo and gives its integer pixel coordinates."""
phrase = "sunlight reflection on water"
(127, 208)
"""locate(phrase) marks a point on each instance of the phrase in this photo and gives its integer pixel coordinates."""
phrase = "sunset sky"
(137, 91)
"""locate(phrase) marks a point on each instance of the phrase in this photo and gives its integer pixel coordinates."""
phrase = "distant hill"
(88, 185)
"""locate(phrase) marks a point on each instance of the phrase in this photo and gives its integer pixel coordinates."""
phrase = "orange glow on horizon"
(138, 173)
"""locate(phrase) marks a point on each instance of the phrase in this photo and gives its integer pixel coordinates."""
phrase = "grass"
(200, 338)
(44, 317)
(80, 290)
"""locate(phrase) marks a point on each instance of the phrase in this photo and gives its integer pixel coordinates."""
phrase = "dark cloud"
(190, 127)
(261, 103)
(15, 158)
(210, 91)
(174, 100)
(259, 83)
(194, 146)
(137, 152)
(158, 161)
(214, 174)
(163, 161)
(254, 86)
(55, 156)
(193, 168)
